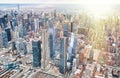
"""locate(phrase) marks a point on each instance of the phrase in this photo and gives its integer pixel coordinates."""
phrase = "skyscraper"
(71, 27)
(51, 46)
(63, 56)
(74, 46)
(20, 29)
(7, 30)
(51, 42)
(36, 24)
(36, 48)
(3, 40)
(45, 49)
(65, 30)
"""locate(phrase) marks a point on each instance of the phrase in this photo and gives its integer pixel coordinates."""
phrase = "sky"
(93, 6)
(63, 1)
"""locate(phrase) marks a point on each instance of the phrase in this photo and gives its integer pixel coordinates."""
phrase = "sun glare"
(98, 8)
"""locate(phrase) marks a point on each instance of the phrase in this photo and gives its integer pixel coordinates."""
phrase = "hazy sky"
(63, 1)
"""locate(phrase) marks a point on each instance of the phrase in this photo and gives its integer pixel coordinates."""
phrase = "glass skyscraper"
(63, 55)
(7, 30)
(36, 48)
(65, 30)
(51, 46)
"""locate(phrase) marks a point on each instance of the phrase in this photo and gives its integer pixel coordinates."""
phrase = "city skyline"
(60, 39)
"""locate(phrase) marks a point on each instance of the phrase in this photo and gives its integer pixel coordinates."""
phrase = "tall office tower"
(65, 30)
(51, 45)
(74, 46)
(3, 40)
(63, 55)
(71, 27)
(71, 40)
(69, 55)
(56, 40)
(51, 39)
(36, 24)
(25, 22)
(29, 20)
(11, 24)
(5, 21)
(20, 30)
(36, 48)
(45, 49)
(7, 30)
(14, 20)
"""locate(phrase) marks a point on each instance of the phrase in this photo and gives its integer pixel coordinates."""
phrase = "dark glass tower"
(7, 30)
(65, 30)
(36, 48)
